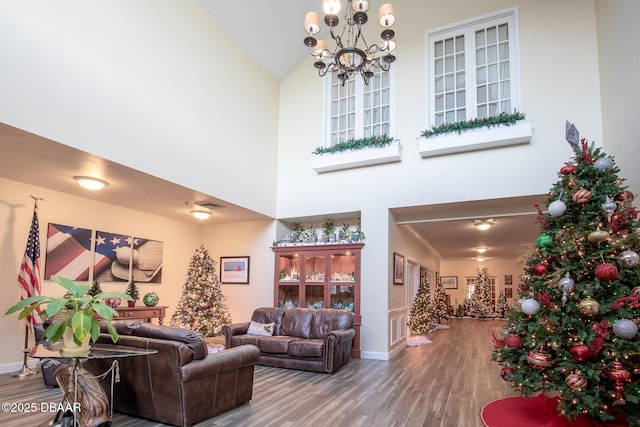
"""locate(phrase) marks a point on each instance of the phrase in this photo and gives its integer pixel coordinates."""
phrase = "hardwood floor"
(443, 384)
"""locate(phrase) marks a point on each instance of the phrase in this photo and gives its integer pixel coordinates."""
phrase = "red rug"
(537, 411)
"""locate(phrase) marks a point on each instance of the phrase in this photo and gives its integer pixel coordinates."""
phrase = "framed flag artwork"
(113, 256)
(68, 252)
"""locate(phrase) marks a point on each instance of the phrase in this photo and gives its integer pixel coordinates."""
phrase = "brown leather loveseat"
(296, 338)
(182, 384)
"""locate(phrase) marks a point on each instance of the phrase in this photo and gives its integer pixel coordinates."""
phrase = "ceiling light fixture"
(483, 224)
(89, 183)
(200, 214)
(481, 250)
(348, 57)
(480, 259)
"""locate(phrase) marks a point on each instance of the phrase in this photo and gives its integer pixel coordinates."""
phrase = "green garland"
(503, 119)
(356, 144)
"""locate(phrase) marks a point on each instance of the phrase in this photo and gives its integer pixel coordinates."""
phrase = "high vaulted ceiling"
(272, 32)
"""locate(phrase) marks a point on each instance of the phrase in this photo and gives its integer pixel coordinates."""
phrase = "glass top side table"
(82, 391)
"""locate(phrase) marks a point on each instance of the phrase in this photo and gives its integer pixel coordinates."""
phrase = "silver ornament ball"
(629, 259)
(557, 208)
(625, 328)
(530, 306)
(603, 163)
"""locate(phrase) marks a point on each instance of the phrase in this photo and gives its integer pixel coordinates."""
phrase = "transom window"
(356, 110)
(473, 69)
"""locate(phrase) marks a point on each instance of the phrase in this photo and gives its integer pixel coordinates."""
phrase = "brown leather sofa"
(306, 339)
(182, 384)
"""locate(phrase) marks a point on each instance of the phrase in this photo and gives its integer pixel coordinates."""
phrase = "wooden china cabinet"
(320, 276)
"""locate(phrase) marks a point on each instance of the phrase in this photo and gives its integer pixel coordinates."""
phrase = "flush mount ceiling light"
(90, 183)
(352, 54)
(483, 224)
(481, 250)
(480, 259)
(200, 214)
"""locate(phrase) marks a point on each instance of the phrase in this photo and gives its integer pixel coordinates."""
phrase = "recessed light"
(90, 183)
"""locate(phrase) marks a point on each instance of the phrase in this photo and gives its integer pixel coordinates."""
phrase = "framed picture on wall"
(508, 280)
(398, 269)
(449, 282)
(508, 293)
(234, 270)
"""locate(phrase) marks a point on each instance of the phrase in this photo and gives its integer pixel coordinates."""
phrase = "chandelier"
(352, 54)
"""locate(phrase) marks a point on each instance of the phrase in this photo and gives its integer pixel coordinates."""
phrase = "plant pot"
(70, 347)
(131, 303)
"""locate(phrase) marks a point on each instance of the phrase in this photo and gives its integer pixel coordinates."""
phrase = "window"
(473, 69)
(356, 110)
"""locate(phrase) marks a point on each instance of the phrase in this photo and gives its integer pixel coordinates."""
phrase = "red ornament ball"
(506, 374)
(580, 353)
(540, 269)
(567, 169)
(606, 272)
(513, 341)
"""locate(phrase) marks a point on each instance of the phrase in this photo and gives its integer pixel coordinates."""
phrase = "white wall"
(252, 239)
(557, 84)
(618, 35)
(155, 85)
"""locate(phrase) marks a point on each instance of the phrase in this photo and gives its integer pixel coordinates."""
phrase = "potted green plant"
(132, 292)
(75, 317)
(328, 229)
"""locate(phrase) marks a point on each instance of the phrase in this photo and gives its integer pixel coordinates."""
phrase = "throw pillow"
(263, 329)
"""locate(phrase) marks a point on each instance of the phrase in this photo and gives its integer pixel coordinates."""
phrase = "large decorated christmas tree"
(481, 301)
(201, 307)
(575, 334)
(421, 315)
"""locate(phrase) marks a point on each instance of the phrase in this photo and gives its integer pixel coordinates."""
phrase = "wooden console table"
(143, 313)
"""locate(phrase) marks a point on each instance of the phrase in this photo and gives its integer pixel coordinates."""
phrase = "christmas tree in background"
(481, 302)
(502, 307)
(576, 335)
(95, 288)
(201, 307)
(440, 307)
(421, 318)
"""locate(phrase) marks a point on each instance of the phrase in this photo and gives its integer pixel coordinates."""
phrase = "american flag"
(29, 276)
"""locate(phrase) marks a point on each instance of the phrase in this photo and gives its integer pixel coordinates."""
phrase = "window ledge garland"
(479, 134)
(356, 153)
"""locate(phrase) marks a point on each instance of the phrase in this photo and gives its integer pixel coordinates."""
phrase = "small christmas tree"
(440, 308)
(503, 308)
(481, 302)
(575, 334)
(201, 307)
(421, 318)
(95, 288)
(132, 291)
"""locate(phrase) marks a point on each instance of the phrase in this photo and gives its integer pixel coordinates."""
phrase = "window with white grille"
(473, 69)
(356, 110)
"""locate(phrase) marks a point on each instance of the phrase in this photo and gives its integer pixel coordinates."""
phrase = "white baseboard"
(9, 368)
(374, 355)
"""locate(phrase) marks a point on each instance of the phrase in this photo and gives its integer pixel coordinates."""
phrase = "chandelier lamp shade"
(352, 54)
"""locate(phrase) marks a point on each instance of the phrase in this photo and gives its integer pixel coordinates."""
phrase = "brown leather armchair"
(182, 384)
